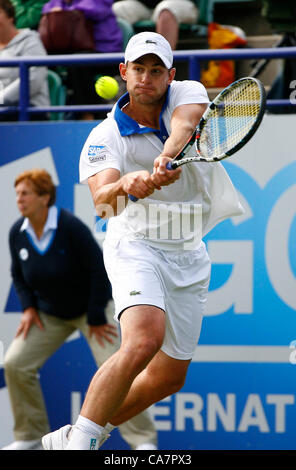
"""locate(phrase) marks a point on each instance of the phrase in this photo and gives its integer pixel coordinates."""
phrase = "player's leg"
(140, 430)
(142, 330)
(162, 377)
(185, 306)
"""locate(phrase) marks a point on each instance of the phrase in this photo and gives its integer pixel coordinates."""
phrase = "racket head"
(231, 120)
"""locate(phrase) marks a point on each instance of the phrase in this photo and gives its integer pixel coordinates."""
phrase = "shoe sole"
(46, 442)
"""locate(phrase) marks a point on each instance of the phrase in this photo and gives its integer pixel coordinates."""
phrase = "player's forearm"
(183, 122)
(110, 199)
(178, 138)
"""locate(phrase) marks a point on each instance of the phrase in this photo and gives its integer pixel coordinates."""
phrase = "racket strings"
(230, 120)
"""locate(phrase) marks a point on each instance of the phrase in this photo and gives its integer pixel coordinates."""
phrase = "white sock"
(109, 427)
(86, 435)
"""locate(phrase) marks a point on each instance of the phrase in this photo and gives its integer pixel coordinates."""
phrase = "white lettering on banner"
(193, 413)
(206, 414)
(216, 409)
(277, 247)
(253, 415)
(237, 291)
(280, 402)
(292, 357)
(163, 425)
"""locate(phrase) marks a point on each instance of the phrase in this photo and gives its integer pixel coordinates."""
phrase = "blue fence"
(193, 57)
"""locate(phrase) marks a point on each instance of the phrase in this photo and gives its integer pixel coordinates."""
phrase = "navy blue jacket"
(68, 279)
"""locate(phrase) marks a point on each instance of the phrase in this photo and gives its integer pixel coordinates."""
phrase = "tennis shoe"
(57, 440)
(146, 446)
(24, 445)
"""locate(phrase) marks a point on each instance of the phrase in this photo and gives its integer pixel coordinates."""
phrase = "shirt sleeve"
(25, 295)
(187, 92)
(100, 152)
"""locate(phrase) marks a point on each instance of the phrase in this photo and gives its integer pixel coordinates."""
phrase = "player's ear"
(172, 73)
(122, 70)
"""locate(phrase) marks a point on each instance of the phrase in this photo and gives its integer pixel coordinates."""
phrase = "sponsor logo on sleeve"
(96, 153)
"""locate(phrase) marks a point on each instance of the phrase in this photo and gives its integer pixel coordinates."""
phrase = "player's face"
(29, 203)
(147, 79)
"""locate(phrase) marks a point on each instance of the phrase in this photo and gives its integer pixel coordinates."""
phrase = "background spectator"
(20, 42)
(167, 15)
(107, 37)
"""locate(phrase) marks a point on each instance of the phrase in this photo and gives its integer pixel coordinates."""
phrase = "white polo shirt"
(167, 219)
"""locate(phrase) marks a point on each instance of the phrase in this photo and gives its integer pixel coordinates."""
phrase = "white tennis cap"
(149, 43)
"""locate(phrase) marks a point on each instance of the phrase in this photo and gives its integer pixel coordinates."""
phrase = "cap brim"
(134, 57)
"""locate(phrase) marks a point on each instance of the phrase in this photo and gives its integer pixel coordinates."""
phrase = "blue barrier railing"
(193, 57)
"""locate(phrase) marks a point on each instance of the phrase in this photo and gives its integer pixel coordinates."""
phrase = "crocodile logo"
(135, 292)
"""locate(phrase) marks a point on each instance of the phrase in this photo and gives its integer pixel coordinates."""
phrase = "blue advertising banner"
(240, 389)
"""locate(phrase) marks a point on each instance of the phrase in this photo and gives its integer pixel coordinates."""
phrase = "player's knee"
(140, 352)
(164, 385)
(171, 384)
(174, 383)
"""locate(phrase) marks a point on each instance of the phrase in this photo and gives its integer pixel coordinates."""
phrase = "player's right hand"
(161, 175)
(139, 184)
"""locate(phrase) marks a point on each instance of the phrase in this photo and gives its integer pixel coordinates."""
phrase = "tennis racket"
(226, 126)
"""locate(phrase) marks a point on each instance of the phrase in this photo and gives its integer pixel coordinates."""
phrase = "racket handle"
(171, 166)
(132, 198)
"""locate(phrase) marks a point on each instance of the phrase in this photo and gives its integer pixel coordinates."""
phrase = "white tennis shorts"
(176, 282)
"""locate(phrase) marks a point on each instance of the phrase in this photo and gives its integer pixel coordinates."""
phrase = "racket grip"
(132, 198)
(171, 165)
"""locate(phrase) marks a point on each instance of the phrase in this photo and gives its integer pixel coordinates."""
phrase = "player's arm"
(110, 191)
(183, 122)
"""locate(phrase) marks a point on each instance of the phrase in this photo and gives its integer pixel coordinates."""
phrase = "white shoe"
(24, 445)
(57, 440)
(146, 446)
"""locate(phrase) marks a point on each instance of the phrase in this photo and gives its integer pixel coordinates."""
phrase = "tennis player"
(158, 266)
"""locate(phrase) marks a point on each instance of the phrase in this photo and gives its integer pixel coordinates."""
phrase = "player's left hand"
(161, 176)
(103, 333)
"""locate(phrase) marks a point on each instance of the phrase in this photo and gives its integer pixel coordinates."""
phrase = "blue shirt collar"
(128, 126)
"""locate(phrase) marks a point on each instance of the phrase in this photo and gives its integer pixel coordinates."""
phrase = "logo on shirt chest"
(96, 153)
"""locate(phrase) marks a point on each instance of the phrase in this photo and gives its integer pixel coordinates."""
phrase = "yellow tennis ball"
(106, 87)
